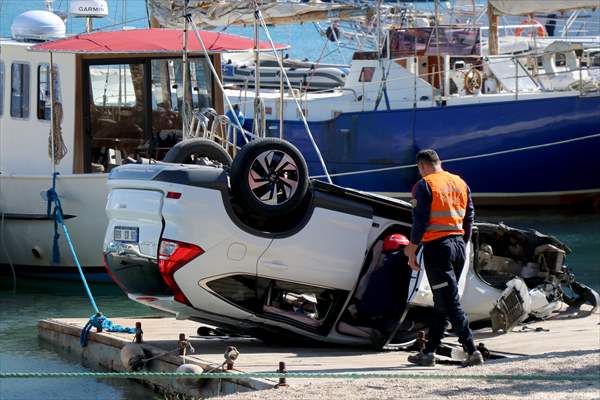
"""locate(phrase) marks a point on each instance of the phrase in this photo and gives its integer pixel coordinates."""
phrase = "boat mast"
(186, 78)
(379, 47)
(258, 117)
(437, 68)
(493, 30)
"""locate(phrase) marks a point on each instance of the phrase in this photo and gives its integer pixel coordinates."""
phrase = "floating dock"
(564, 332)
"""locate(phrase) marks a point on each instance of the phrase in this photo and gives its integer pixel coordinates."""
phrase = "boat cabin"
(119, 96)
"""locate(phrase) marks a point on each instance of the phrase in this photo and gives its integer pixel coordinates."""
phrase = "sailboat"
(513, 110)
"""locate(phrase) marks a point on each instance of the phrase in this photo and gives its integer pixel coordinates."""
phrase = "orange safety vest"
(448, 205)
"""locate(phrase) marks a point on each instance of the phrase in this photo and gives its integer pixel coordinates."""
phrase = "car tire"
(258, 182)
(183, 152)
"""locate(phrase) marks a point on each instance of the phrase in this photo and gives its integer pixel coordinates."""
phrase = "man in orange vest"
(442, 219)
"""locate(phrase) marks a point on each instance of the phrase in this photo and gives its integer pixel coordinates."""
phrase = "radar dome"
(37, 25)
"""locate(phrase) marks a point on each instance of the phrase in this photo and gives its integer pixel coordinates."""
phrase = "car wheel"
(269, 177)
(188, 151)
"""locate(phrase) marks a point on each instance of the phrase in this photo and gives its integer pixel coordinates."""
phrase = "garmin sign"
(88, 8)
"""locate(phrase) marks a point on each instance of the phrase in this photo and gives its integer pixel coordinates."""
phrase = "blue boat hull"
(515, 152)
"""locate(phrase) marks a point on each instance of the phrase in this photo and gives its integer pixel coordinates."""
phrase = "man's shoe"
(422, 359)
(473, 359)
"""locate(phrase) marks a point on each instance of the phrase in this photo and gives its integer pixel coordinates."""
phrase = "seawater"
(21, 351)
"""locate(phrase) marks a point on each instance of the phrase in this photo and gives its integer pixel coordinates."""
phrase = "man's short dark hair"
(428, 156)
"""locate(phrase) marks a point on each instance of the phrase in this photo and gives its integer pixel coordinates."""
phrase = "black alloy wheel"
(269, 177)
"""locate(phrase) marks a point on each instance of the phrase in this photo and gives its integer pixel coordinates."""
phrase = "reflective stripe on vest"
(449, 213)
(448, 205)
(436, 227)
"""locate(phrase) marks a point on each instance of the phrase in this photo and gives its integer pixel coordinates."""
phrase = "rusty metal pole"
(493, 31)
(182, 344)
(231, 354)
(98, 315)
(139, 333)
(282, 379)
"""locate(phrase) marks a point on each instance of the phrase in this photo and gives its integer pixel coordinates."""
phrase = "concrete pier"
(564, 332)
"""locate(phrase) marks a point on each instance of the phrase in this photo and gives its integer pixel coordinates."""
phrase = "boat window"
(43, 94)
(135, 108)
(1, 87)
(19, 90)
(424, 41)
(168, 97)
(116, 114)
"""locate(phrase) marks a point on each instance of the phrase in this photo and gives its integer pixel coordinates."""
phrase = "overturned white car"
(257, 248)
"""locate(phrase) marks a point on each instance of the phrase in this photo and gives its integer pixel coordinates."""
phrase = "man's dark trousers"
(444, 259)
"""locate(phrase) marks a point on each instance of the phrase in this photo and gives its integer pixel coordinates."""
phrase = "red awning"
(137, 41)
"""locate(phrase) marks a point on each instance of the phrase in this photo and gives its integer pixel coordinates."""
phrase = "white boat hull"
(27, 234)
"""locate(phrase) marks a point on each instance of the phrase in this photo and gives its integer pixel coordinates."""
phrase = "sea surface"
(21, 351)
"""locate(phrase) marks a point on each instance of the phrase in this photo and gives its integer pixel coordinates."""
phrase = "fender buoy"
(333, 33)
(185, 384)
(541, 31)
(132, 356)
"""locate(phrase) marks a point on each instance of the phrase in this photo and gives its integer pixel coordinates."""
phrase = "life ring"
(473, 81)
(333, 33)
(539, 28)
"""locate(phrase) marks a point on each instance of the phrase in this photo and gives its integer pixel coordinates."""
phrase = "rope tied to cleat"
(101, 323)
(97, 320)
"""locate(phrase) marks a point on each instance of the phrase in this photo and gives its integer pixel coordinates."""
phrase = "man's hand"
(410, 251)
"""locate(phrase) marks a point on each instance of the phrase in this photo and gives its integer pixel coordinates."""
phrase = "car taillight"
(173, 195)
(173, 255)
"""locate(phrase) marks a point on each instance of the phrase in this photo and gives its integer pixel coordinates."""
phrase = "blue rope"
(52, 197)
(101, 323)
(57, 216)
(98, 321)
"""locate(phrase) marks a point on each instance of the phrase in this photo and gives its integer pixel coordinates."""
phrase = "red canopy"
(150, 41)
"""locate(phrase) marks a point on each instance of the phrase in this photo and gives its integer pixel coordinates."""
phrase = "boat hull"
(519, 152)
(27, 233)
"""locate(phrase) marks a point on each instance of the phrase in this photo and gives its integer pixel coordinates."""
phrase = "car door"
(421, 293)
(419, 290)
(328, 252)
(306, 278)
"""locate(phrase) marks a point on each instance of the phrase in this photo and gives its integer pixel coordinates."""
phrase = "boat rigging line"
(239, 126)
(298, 106)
